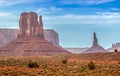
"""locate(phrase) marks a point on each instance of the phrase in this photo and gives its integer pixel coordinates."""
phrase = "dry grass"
(53, 66)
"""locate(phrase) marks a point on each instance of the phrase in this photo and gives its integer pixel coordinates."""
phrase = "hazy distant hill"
(77, 50)
(114, 46)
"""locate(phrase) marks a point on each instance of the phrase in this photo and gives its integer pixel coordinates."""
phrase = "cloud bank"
(85, 2)
(68, 2)
(13, 2)
(101, 19)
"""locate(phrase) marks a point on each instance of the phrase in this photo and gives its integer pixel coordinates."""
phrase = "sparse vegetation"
(115, 50)
(64, 61)
(33, 65)
(91, 65)
(53, 66)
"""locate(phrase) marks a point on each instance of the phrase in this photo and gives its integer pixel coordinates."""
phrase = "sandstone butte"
(30, 40)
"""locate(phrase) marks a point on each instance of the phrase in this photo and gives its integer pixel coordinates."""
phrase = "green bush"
(91, 65)
(33, 65)
(64, 61)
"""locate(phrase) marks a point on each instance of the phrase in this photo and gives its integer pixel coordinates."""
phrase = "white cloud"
(108, 14)
(100, 19)
(48, 10)
(85, 2)
(5, 14)
(8, 20)
(98, 1)
(115, 9)
(13, 2)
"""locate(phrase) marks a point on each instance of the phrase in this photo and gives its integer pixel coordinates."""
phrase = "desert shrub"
(64, 61)
(115, 50)
(91, 65)
(33, 65)
(119, 62)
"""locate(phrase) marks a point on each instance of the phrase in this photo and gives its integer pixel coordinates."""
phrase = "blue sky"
(74, 20)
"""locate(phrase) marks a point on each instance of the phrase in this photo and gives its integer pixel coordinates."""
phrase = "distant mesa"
(7, 35)
(114, 46)
(30, 40)
(76, 50)
(95, 47)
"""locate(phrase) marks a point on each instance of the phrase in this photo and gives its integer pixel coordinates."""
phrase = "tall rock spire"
(95, 41)
(95, 48)
(41, 27)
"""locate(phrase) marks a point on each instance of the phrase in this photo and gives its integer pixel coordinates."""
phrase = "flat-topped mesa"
(29, 26)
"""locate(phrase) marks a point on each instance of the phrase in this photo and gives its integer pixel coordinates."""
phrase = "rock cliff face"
(51, 36)
(7, 35)
(29, 26)
(30, 40)
(95, 47)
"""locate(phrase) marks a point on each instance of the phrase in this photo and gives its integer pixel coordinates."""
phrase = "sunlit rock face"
(95, 47)
(29, 25)
(30, 40)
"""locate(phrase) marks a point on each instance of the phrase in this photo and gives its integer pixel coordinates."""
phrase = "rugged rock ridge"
(95, 47)
(30, 41)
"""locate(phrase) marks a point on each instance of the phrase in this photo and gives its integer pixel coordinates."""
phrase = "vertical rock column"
(32, 22)
(95, 41)
(41, 31)
(22, 25)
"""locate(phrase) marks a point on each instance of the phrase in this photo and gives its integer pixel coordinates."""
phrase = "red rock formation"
(95, 47)
(114, 46)
(95, 41)
(7, 35)
(30, 41)
(29, 25)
